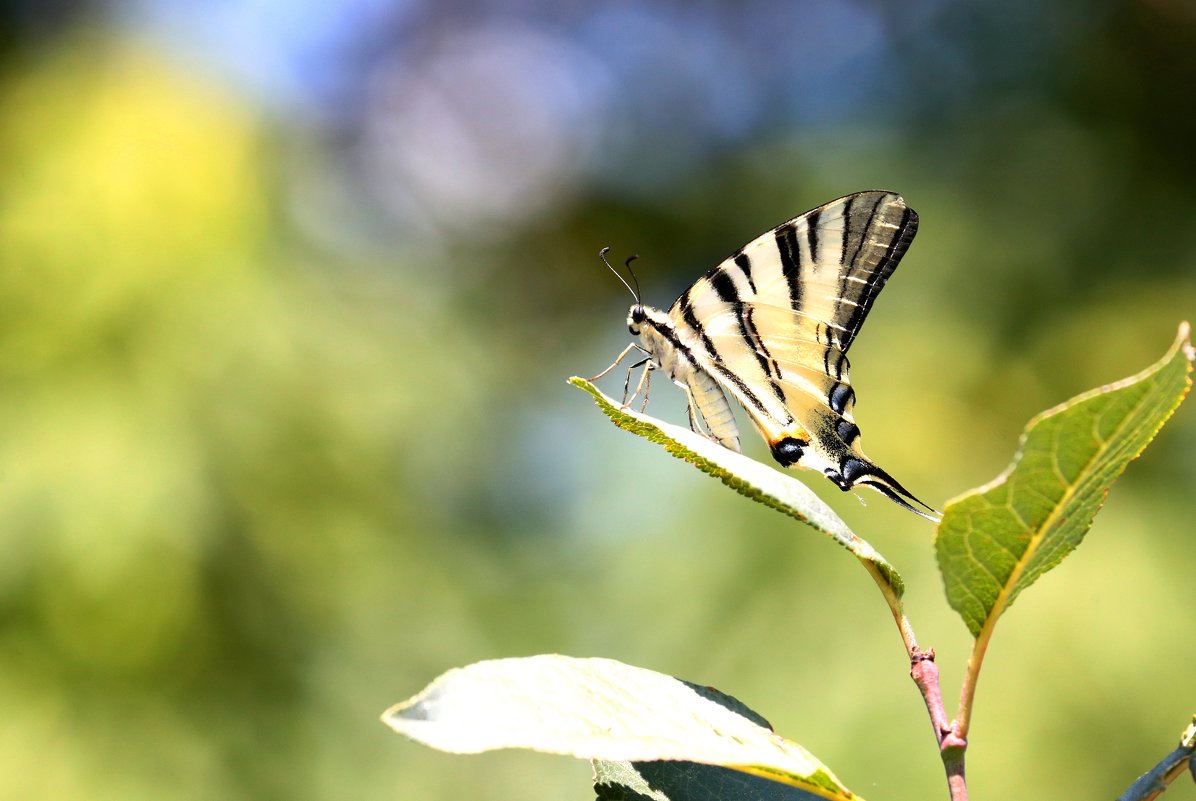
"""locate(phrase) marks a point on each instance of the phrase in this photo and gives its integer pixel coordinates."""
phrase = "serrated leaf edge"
(668, 436)
(1006, 593)
(1181, 343)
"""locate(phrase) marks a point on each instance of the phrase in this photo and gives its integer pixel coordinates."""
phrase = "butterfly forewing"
(781, 313)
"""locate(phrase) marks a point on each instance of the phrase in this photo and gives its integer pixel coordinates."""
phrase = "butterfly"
(771, 326)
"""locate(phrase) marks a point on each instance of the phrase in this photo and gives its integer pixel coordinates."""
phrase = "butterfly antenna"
(634, 292)
(631, 272)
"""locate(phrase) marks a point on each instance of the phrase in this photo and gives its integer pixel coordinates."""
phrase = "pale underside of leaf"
(746, 476)
(999, 539)
(599, 709)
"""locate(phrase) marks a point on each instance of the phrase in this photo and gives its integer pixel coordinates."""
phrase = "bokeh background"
(289, 291)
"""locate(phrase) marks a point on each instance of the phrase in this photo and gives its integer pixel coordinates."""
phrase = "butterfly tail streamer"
(879, 480)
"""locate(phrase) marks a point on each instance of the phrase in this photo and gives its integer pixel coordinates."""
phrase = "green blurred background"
(290, 291)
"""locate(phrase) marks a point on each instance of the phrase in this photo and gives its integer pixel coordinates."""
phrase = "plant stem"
(925, 673)
(952, 747)
(967, 691)
(1154, 782)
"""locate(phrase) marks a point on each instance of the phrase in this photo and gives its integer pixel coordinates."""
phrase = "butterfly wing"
(777, 318)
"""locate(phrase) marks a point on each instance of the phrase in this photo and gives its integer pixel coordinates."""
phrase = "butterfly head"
(635, 318)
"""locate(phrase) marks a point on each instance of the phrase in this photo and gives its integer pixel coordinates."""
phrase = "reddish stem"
(925, 673)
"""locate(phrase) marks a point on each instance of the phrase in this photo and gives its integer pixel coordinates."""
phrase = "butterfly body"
(771, 326)
(676, 358)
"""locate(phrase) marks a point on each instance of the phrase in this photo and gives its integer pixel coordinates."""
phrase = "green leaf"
(600, 709)
(691, 781)
(749, 478)
(999, 539)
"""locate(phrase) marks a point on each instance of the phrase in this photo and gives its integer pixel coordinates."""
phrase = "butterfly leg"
(647, 383)
(615, 363)
(627, 383)
(642, 385)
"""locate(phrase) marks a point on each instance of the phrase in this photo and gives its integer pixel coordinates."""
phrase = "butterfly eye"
(635, 318)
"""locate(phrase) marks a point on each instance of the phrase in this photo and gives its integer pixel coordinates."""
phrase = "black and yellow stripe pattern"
(771, 325)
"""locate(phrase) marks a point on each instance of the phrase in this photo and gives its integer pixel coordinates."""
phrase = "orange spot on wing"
(795, 431)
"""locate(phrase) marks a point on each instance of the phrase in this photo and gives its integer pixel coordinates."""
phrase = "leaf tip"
(1185, 340)
(386, 718)
(393, 718)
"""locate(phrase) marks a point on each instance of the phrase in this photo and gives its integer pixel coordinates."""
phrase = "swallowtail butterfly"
(771, 326)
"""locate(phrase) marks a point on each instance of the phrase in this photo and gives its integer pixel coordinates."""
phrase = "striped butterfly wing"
(779, 316)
